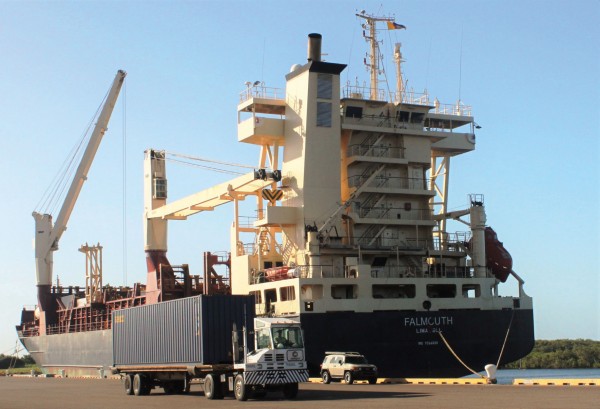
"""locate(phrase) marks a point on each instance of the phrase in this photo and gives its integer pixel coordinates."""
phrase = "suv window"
(356, 360)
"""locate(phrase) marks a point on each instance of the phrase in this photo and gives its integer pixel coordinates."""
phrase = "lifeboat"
(498, 259)
(279, 273)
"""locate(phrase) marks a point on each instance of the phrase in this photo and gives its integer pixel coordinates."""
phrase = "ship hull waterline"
(401, 343)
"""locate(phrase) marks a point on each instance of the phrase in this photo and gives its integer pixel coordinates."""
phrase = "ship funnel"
(314, 47)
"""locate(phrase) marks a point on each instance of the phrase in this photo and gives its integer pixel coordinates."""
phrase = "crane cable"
(124, 99)
(50, 200)
(196, 158)
(186, 158)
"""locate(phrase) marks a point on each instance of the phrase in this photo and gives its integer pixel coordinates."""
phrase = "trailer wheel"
(212, 387)
(240, 389)
(140, 386)
(348, 378)
(290, 390)
(128, 384)
(168, 387)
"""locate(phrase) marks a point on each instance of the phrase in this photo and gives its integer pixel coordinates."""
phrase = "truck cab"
(277, 361)
(278, 345)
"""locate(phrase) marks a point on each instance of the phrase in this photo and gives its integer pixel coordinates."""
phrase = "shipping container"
(193, 330)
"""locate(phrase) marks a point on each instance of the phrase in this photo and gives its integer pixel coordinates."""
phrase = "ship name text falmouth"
(427, 321)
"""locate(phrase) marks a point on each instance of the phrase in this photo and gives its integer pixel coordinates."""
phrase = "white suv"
(349, 366)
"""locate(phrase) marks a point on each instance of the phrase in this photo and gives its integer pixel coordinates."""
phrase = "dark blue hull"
(401, 343)
(408, 343)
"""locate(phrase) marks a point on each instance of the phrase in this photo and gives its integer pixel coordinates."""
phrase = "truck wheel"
(128, 384)
(326, 377)
(348, 377)
(168, 388)
(290, 390)
(212, 387)
(240, 389)
(140, 385)
(372, 381)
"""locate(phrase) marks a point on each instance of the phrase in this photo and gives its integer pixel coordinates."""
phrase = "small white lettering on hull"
(427, 321)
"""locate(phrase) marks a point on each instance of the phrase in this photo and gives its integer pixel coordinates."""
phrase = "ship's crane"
(48, 234)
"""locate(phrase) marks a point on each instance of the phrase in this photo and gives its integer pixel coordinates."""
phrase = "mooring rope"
(505, 338)
(501, 351)
(457, 357)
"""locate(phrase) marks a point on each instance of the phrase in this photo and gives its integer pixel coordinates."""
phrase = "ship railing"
(30, 330)
(457, 241)
(363, 92)
(375, 151)
(320, 271)
(390, 182)
(392, 213)
(410, 97)
(433, 271)
(393, 243)
(457, 109)
(260, 91)
(246, 221)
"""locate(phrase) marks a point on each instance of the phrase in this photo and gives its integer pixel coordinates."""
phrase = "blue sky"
(529, 69)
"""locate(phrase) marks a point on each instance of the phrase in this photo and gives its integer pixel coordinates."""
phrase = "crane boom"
(47, 235)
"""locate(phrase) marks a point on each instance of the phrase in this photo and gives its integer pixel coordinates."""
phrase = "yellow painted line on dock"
(557, 382)
(480, 381)
(422, 381)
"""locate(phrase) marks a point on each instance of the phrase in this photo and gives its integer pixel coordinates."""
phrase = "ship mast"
(399, 79)
(370, 25)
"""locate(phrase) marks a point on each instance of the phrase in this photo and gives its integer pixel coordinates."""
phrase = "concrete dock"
(67, 393)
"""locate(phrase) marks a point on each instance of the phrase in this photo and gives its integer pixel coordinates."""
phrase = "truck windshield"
(287, 337)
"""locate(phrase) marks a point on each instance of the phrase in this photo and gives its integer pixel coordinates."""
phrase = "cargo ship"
(350, 233)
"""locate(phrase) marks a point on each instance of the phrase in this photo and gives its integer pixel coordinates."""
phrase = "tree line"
(7, 360)
(561, 354)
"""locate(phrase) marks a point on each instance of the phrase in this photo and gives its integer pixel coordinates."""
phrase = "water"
(506, 376)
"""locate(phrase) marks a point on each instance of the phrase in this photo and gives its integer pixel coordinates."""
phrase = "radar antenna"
(370, 26)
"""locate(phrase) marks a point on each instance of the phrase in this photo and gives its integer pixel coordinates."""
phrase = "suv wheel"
(326, 377)
(348, 378)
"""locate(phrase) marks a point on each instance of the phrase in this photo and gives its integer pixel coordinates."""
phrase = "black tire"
(348, 377)
(326, 377)
(212, 387)
(372, 381)
(259, 394)
(138, 385)
(290, 390)
(240, 389)
(168, 388)
(128, 384)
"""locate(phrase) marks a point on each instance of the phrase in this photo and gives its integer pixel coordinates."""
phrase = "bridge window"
(257, 296)
(471, 290)
(393, 291)
(354, 112)
(324, 114)
(287, 293)
(312, 292)
(441, 290)
(344, 291)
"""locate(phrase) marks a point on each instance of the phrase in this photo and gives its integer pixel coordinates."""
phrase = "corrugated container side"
(218, 315)
(188, 330)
